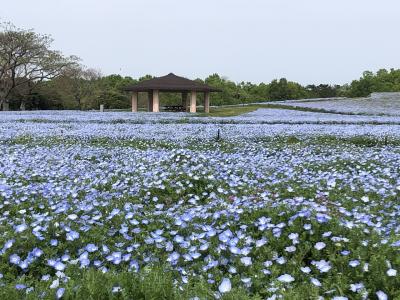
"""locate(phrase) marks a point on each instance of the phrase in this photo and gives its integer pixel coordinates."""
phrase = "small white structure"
(101, 107)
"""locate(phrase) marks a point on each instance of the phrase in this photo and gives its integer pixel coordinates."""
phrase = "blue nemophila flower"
(305, 269)
(59, 266)
(315, 282)
(8, 244)
(55, 284)
(261, 242)
(320, 245)
(381, 295)
(20, 286)
(396, 244)
(234, 250)
(60, 293)
(15, 259)
(72, 235)
(323, 266)
(354, 263)
(225, 286)
(46, 277)
(91, 248)
(281, 260)
(356, 287)
(290, 249)
(20, 228)
(23, 264)
(268, 263)
(232, 270)
(53, 243)
(286, 278)
(246, 261)
(65, 257)
(37, 252)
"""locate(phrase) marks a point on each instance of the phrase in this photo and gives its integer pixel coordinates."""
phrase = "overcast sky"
(309, 41)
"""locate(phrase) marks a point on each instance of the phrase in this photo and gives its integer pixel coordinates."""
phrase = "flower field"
(364, 106)
(275, 204)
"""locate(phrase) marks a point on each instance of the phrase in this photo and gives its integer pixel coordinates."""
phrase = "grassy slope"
(231, 111)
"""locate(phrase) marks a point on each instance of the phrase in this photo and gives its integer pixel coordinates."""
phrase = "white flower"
(225, 286)
(365, 199)
(320, 246)
(305, 269)
(55, 284)
(354, 263)
(72, 217)
(290, 249)
(315, 282)
(116, 289)
(365, 267)
(391, 272)
(381, 295)
(286, 278)
(356, 287)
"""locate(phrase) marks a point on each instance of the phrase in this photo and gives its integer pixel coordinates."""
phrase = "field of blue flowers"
(110, 206)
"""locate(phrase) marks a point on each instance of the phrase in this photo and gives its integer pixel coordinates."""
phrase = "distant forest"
(33, 76)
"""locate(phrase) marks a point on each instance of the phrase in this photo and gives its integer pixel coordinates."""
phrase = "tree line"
(33, 76)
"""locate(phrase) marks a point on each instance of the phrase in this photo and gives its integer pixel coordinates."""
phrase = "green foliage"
(381, 81)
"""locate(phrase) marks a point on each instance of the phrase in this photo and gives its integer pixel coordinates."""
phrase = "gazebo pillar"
(184, 100)
(207, 102)
(134, 101)
(193, 98)
(156, 101)
(150, 101)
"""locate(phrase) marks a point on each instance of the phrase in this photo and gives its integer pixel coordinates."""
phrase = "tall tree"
(26, 60)
(78, 82)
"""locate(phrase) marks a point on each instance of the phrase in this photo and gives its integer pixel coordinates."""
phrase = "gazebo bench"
(174, 108)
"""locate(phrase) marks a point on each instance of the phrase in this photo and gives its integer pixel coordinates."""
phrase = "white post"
(193, 98)
(207, 102)
(101, 107)
(134, 101)
(156, 101)
(6, 106)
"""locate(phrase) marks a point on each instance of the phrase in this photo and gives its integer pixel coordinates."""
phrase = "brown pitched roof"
(170, 83)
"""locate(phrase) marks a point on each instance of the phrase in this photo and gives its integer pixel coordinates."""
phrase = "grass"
(231, 111)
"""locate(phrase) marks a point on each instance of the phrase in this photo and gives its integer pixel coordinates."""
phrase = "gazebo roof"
(170, 83)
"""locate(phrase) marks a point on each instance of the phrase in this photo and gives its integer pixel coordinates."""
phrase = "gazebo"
(173, 84)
